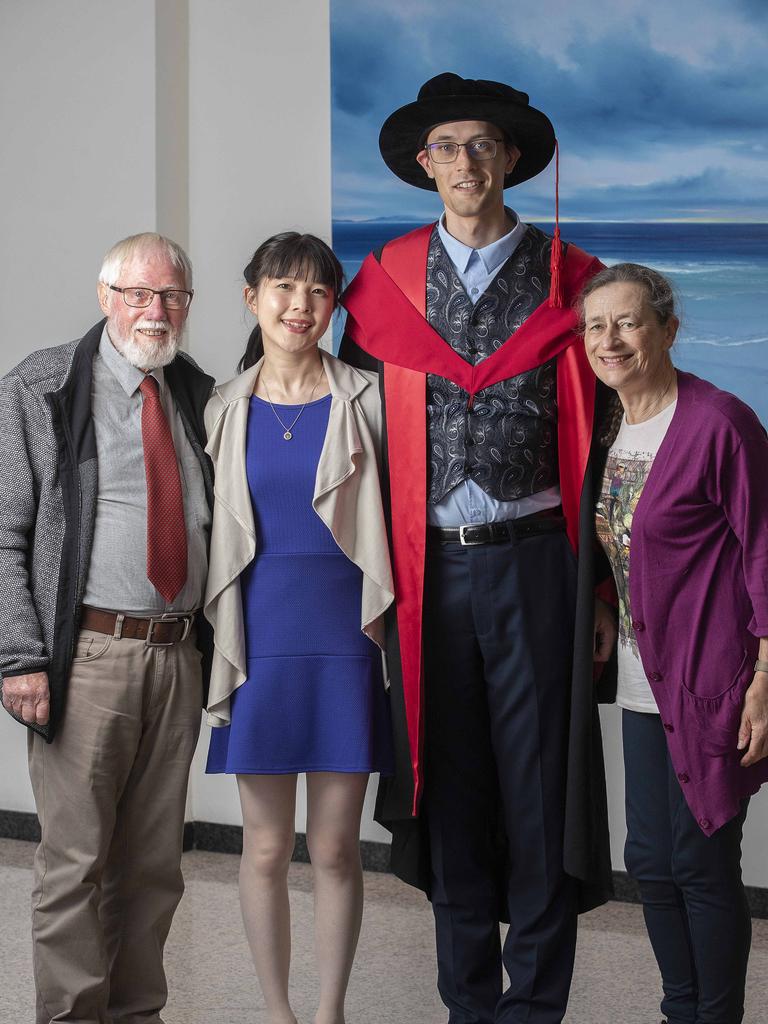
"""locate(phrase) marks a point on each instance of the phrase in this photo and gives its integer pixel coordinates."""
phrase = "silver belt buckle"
(462, 535)
(169, 617)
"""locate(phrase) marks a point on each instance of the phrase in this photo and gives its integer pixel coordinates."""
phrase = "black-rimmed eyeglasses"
(171, 298)
(477, 149)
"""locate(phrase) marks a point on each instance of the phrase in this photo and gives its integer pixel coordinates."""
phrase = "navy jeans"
(693, 898)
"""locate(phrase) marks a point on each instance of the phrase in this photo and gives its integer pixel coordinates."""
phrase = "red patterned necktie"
(166, 532)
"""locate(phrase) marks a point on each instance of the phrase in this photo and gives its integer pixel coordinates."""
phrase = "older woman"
(685, 490)
(298, 584)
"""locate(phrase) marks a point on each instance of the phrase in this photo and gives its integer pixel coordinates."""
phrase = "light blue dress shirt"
(467, 502)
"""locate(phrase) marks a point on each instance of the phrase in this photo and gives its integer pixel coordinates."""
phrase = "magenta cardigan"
(698, 590)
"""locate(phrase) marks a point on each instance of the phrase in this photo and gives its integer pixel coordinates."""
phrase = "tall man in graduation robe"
(498, 805)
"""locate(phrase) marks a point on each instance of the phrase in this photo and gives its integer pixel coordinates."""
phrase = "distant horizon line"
(565, 220)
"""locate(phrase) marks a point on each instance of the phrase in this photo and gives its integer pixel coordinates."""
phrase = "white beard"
(150, 354)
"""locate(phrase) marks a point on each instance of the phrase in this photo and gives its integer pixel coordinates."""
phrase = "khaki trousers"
(110, 793)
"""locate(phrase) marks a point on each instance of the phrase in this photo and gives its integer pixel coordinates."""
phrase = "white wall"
(259, 148)
(259, 162)
(77, 172)
(77, 164)
(170, 116)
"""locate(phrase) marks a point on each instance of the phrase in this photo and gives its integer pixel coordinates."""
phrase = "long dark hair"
(290, 254)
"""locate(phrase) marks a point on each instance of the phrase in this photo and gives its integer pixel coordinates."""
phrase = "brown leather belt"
(156, 631)
(469, 535)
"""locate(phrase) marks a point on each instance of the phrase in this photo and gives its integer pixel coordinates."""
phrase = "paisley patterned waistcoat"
(507, 441)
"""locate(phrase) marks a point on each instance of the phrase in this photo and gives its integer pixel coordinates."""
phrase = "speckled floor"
(211, 979)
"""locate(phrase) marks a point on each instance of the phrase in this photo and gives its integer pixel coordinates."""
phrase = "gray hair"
(658, 290)
(128, 247)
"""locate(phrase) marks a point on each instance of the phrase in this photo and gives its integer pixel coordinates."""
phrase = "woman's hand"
(753, 730)
(605, 630)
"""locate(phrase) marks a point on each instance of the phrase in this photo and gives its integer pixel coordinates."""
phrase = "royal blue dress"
(314, 698)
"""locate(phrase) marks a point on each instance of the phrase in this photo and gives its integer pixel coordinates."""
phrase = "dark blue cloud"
(364, 59)
(617, 99)
(618, 83)
(754, 9)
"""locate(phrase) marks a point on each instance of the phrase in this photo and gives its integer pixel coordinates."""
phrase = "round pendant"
(287, 435)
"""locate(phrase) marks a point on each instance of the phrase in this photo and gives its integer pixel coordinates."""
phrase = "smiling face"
(293, 314)
(626, 345)
(470, 187)
(148, 337)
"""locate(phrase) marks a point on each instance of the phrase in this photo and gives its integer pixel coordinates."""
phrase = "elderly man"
(103, 535)
(497, 807)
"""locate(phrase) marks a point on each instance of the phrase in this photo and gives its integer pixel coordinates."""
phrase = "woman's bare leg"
(334, 805)
(269, 807)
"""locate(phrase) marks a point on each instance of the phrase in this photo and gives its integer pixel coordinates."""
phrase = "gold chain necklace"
(288, 429)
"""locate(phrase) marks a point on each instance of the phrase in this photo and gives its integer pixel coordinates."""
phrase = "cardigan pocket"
(717, 718)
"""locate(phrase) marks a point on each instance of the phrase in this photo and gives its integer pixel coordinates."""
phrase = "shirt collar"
(492, 255)
(128, 377)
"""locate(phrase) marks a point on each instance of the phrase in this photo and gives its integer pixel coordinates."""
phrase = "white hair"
(127, 247)
(148, 355)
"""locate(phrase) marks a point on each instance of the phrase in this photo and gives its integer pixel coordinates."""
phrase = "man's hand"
(753, 730)
(605, 630)
(28, 697)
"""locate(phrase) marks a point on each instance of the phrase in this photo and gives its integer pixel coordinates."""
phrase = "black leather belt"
(547, 521)
(156, 631)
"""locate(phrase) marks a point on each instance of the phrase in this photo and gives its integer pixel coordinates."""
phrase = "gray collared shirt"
(117, 577)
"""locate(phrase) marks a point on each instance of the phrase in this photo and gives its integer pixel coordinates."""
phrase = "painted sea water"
(720, 272)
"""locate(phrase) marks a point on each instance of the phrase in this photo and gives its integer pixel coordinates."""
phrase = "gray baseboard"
(214, 838)
(19, 825)
(375, 857)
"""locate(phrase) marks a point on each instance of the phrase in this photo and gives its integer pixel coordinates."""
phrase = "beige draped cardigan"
(346, 497)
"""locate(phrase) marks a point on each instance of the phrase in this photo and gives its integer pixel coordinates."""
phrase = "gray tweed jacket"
(48, 482)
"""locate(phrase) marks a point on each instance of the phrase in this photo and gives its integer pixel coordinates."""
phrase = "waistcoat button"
(683, 776)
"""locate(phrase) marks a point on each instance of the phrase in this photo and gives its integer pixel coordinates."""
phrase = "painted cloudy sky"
(660, 107)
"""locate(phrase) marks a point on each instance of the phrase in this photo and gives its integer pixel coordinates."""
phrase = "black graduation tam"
(449, 97)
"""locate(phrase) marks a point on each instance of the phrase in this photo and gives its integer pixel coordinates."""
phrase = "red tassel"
(556, 255)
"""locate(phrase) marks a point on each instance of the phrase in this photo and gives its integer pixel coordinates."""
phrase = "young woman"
(298, 583)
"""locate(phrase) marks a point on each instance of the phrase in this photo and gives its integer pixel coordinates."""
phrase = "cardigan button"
(683, 776)
(669, 727)
(655, 677)
(705, 822)
(638, 626)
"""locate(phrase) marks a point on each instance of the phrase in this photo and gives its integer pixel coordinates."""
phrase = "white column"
(78, 171)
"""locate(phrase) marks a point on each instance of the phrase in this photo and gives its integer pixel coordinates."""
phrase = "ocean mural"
(660, 115)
